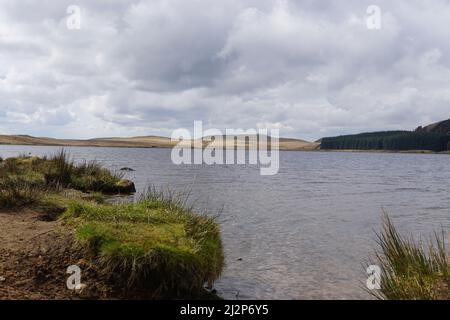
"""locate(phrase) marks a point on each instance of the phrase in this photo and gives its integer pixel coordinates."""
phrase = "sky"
(136, 67)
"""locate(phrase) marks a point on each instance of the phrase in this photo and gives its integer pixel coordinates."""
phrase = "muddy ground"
(35, 251)
(34, 255)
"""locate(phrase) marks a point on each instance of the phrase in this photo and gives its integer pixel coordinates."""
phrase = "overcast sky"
(311, 68)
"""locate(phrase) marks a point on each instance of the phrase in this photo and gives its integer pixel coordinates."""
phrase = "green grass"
(410, 270)
(24, 180)
(154, 245)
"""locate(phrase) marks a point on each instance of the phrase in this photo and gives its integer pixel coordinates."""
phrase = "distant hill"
(134, 142)
(137, 142)
(438, 127)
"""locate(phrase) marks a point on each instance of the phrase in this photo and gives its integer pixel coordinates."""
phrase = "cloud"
(148, 67)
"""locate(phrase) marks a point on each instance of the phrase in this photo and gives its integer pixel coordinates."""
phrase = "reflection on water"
(305, 232)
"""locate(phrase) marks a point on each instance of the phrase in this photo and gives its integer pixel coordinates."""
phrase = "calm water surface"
(306, 232)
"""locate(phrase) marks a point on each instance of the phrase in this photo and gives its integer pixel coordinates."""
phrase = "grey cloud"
(148, 67)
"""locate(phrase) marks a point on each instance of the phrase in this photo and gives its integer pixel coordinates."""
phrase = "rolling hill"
(134, 142)
(442, 127)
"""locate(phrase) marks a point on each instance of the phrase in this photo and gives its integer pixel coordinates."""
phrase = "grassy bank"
(155, 244)
(410, 270)
(153, 248)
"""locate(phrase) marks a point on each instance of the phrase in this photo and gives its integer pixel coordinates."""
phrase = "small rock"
(2, 279)
(126, 186)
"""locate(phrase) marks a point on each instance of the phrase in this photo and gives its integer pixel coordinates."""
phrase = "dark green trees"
(389, 140)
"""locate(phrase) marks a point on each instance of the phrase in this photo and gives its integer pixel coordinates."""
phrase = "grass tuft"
(409, 270)
(24, 179)
(59, 169)
(154, 245)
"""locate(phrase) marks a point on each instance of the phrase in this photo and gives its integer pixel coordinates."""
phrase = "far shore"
(285, 144)
(383, 151)
(138, 142)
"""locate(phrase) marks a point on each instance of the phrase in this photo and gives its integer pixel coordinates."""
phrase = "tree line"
(390, 140)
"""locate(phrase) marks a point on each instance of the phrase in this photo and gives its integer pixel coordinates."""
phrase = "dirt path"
(34, 256)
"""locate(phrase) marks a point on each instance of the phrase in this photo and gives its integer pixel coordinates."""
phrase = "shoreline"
(384, 151)
(280, 149)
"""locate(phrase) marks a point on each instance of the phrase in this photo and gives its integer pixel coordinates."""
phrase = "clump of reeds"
(23, 179)
(411, 270)
(59, 169)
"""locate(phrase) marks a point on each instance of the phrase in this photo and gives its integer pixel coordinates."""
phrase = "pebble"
(80, 287)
